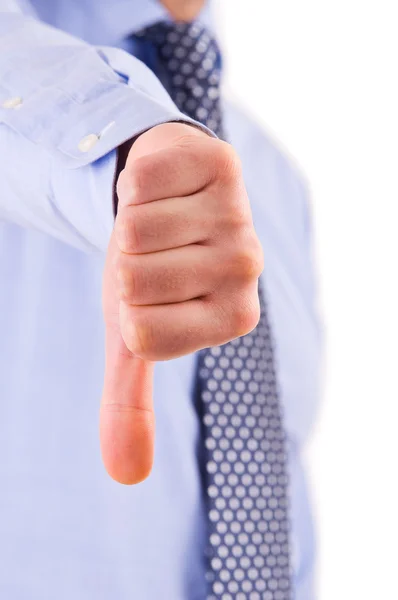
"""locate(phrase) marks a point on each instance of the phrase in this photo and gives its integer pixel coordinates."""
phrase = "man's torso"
(66, 529)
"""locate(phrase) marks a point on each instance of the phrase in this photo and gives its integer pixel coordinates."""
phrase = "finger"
(162, 332)
(165, 174)
(174, 275)
(166, 161)
(127, 419)
(165, 224)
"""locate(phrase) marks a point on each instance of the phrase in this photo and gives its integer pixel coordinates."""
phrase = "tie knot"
(191, 58)
(183, 41)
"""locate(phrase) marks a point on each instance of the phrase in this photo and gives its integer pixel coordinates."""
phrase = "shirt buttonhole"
(106, 129)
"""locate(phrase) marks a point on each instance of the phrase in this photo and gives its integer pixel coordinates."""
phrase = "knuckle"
(228, 162)
(149, 173)
(145, 340)
(140, 343)
(138, 331)
(127, 230)
(123, 188)
(133, 331)
(246, 315)
(129, 277)
(119, 267)
(233, 213)
(249, 263)
(231, 198)
(153, 339)
(141, 171)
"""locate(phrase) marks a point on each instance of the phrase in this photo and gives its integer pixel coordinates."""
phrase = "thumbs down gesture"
(181, 274)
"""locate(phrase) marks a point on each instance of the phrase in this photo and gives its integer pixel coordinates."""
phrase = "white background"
(323, 78)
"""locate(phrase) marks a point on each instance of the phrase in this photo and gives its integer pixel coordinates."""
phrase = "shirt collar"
(121, 18)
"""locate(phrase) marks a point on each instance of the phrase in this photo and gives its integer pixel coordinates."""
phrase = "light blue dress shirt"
(67, 531)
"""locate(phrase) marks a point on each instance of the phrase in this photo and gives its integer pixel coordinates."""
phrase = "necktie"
(244, 444)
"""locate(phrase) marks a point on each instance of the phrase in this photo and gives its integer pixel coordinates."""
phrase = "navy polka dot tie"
(244, 444)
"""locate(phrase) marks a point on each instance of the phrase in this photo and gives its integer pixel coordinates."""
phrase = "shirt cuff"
(88, 112)
(75, 104)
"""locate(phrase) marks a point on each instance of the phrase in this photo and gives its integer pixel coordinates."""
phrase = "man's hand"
(181, 274)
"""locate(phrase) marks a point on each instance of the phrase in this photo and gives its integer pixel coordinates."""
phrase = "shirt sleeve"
(65, 106)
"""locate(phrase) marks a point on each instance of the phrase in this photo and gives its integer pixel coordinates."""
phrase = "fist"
(182, 270)
(187, 259)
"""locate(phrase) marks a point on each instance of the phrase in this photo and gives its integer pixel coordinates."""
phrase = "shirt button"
(12, 102)
(88, 142)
